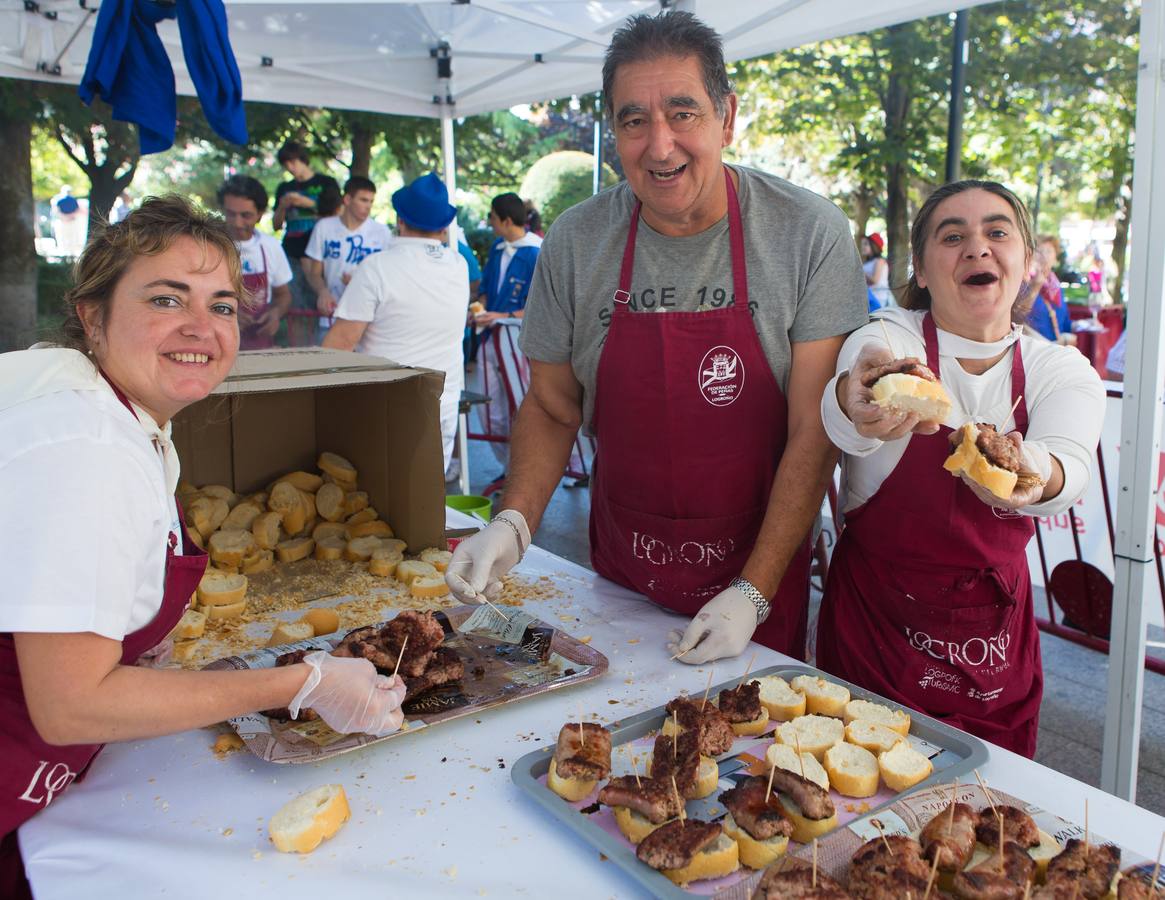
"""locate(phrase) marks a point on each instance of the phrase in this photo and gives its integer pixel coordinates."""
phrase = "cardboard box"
(279, 409)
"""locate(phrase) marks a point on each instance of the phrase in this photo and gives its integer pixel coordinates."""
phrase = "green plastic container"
(472, 504)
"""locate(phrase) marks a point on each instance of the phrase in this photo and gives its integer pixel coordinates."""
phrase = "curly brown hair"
(150, 229)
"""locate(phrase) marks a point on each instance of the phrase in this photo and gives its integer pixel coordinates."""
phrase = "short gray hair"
(680, 34)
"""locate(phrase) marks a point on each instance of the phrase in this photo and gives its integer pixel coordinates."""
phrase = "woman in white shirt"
(98, 567)
(929, 599)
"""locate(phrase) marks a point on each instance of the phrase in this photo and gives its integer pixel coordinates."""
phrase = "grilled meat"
(995, 880)
(583, 751)
(678, 756)
(1088, 872)
(715, 731)
(810, 797)
(673, 845)
(424, 634)
(741, 704)
(1134, 885)
(950, 835)
(1018, 826)
(998, 448)
(444, 667)
(797, 884)
(910, 365)
(651, 798)
(755, 810)
(888, 868)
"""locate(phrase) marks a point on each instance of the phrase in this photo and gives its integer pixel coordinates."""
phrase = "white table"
(165, 817)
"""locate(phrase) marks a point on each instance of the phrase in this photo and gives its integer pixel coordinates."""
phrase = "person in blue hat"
(408, 302)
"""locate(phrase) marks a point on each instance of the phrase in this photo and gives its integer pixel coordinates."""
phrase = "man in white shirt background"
(408, 302)
(338, 244)
(266, 271)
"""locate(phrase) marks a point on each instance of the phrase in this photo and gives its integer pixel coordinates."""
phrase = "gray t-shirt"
(805, 279)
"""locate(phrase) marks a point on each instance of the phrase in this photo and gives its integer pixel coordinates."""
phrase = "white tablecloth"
(433, 813)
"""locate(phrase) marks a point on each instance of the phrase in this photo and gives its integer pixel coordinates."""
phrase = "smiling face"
(974, 262)
(170, 333)
(669, 139)
(241, 216)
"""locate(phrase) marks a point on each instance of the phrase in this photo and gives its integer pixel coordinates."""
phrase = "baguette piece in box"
(310, 819)
(221, 589)
(190, 626)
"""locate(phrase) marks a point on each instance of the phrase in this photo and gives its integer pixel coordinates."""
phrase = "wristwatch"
(763, 607)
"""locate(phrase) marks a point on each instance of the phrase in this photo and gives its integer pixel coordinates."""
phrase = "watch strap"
(763, 607)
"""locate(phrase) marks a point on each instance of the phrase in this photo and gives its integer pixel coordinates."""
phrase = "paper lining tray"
(504, 661)
(952, 753)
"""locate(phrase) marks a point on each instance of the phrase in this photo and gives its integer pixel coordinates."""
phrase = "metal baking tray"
(952, 752)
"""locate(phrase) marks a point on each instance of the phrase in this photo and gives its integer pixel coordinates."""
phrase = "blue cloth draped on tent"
(129, 69)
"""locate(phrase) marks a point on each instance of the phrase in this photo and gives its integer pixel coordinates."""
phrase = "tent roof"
(377, 55)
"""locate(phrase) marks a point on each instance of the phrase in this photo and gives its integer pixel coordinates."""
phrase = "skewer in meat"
(996, 880)
(797, 884)
(887, 868)
(741, 706)
(444, 667)
(1086, 870)
(582, 757)
(715, 731)
(679, 756)
(950, 836)
(689, 850)
(1018, 826)
(640, 804)
(756, 822)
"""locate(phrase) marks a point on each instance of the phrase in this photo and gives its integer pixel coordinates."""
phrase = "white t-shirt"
(85, 519)
(414, 298)
(341, 250)
(1064, 396)
(264, 247)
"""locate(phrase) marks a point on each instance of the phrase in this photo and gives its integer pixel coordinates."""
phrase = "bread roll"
(190, 626)
(863, 710)
(873, 736)
(305, 481)
(414, 568)
(289, 633)
(783, 703)
(295, 520)
(336, 466)
(383, 562)
(265, 528)
(361, 549)
(308, 820)
(354, 502)
(229, 548)
(902, 767)
(322, 620)
(330, 548)
(377, 528)
(439, 559)
(823, 698)
(782, 756)
(429, 586)
(294, 549)
(902, 392)
(852, 770)
(330, 502)
(229, 611)
(816, 734)
(220, 589)
(242, 516)
(968, 460)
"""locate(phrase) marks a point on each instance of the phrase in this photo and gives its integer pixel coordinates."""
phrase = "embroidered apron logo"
(721, 376)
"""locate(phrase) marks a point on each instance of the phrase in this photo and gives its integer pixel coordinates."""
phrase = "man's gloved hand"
(723, 627)
(350, 696)
(479, 562)
(1036, 460)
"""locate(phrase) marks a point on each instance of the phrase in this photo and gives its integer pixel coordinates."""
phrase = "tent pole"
(959, 50)
(598, 176)
(1140, 420)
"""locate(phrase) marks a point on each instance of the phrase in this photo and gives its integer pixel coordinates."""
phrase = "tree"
(18, 261)
(560, 180)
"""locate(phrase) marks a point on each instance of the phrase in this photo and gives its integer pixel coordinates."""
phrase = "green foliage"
(52, 280)
(560, 180)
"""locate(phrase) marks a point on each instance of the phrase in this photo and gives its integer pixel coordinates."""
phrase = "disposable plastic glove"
(157, 657)
(479, 562)
(723, 627)
(1035, 459)
(857, 399)
(350, 696)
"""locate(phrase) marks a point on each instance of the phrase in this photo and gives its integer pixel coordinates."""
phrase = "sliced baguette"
(902, 392)
(572, 789)
(720, 859)
(230, 548)
(375, 528)
(295, 549)
(336, 466)
(815, 734)
(384, 562)
(413, 568)
(707, 779)
(439, 559)
(872, 736)
(783, 703)
(753, 853)
(260, 562)
(865, 711)
(903, 767)
(265, 528)
(823, 698)
(354, 502)
(330, 530)
(190, 626)
(221, 589)
(330, 548)
(852, 770)
(305, 481)
(242, 516)
(330, 502)
(289, 633)
(361, 549)
(304, 823)
(782, 756)
(428, 586)
(322, 620)
(224, 611)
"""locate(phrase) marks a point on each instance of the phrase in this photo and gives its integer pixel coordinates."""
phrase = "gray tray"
(953, 752)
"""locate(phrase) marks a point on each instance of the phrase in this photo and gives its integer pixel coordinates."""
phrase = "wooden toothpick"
(707, 688)
(954, 797)
(930, 878)
(683, 812)
(999, 816)
(1027, 891)
(815, 863)
(403, 644)
(747, 669)
(769, 789)
(991, 801)
(877, 823)
(681, 653)
(1014, 406)
(797, 744)
(886, 335)
(582, 735)
(1085, 826)
(634, 765)
(1156, 867)
(675, 738)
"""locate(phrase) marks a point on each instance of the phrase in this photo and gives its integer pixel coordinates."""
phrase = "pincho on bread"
(640, 805)
(582, 759)
(686, 850)
(807, 805)
(714, 730)
(798, 884)
(756, 821)
(679, 757)
(741, 706)
(990, 459)
(906, 385)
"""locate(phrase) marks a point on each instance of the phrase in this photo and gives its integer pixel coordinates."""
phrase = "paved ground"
(1072, 714)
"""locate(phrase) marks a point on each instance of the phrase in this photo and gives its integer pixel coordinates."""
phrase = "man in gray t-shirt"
(712, 458)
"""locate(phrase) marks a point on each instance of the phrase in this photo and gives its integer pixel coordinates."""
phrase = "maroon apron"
(929, 599)
(255, 284)
(691, 426)
(34, 773)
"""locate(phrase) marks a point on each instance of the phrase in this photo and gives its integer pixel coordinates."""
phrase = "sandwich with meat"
(640, 805)
(582, 758)
(742, 708)
(798, 884)
(714, 730)
(686, 850)
(908, 386)
(990, 459)
(679, 756)
(756, 821)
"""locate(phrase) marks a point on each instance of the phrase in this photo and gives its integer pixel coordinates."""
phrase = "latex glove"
(723, 627)
(1035, 459)
(479, 562)
(856, 398)
(157, 657)
(350, 696)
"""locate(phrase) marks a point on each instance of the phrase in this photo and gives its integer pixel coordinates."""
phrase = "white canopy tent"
(447, 59)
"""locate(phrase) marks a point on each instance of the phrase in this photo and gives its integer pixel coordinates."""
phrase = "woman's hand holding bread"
(479, 562)
(856, 397)
(350, 696)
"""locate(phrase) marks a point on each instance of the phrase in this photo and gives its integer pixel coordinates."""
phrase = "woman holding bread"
(928, 599)
(99, 568)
